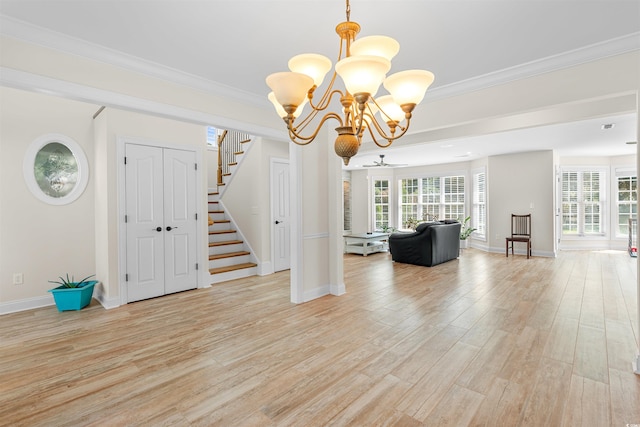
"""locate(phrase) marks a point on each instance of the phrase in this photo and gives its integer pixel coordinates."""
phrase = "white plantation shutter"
(454, 197)
(570, 202)
(381, 204)
(479, 218)
(626, 200)
(583, 198)
(431, 191)
(409, 192)
(436, 196)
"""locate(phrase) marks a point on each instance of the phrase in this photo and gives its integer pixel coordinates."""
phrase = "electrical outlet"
(18, 278)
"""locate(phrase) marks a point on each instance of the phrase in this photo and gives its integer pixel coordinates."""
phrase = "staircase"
(229, 256)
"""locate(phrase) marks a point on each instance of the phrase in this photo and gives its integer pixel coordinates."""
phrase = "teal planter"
(73, 298)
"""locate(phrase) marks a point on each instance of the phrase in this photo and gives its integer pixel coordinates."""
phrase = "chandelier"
(362, 65)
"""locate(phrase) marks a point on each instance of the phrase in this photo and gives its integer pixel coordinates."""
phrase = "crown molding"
(21, 30)
(25, 31)
(605, 49)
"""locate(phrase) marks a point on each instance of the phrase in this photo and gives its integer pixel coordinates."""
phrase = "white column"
(316, 231)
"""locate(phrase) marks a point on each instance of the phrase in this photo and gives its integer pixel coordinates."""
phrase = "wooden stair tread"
(233, 164)
(222, 232)
(228, 255)
(216, 212)
(232, 268)
(213, 193)
(225, 243)
(221, 221)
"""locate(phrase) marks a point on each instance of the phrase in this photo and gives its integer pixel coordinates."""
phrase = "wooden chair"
(520, 232)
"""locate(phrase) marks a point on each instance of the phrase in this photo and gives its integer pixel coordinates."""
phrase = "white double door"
(160, 221)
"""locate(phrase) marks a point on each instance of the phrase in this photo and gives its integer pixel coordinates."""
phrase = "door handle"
(171, 228)
(158, 229)
(277, 222)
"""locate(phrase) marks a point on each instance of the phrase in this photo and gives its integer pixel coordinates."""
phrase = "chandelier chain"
(348, 10)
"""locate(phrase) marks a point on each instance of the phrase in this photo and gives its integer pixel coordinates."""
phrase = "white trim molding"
(38, 35)
(31, 82)
(616, 46)
(26, 304)
(54, 40)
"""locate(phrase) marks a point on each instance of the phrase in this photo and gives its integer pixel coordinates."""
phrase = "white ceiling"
(236, 43)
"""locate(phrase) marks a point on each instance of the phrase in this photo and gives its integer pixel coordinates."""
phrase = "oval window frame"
(28, 168)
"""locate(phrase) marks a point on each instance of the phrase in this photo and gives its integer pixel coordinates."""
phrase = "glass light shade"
(363, 73)
(409, 87)
(383, 46)
(280, 110)
(290, 88)
(390, 108)
(313, 65)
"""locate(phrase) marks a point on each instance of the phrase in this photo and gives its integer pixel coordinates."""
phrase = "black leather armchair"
(431, 244)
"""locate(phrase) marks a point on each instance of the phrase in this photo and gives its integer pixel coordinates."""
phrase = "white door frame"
(121, 142)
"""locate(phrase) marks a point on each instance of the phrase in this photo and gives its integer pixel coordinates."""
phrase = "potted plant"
(412, 223)
(71, 294)
(386, 228)
(465, 232)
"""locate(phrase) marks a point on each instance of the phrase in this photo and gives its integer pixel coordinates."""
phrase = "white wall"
(44, 241)
(122, 88)
(112, 127)
(360, 201)
(40, 240)
(520, 184)
(247, 198)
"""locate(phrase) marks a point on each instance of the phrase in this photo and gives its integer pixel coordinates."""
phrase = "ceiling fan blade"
(382, 163)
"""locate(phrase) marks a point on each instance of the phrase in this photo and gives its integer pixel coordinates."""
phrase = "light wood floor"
(483, 340)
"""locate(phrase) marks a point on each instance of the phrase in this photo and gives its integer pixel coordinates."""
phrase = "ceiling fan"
(382, 163)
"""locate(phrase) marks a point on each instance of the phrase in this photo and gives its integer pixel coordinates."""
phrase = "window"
(346, 200)
(626, 201)
(453, 197)
(438, 196)
(212, 137)
(583, 199)
(431, 196)
(479, 218)
(408, 200)
(381, 207)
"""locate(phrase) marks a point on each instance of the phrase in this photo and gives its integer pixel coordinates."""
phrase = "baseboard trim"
(522, 252)
(265, 268)
(338, 289)
(47, 300)
(26, 304)
(317, 293)
(107, 303)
